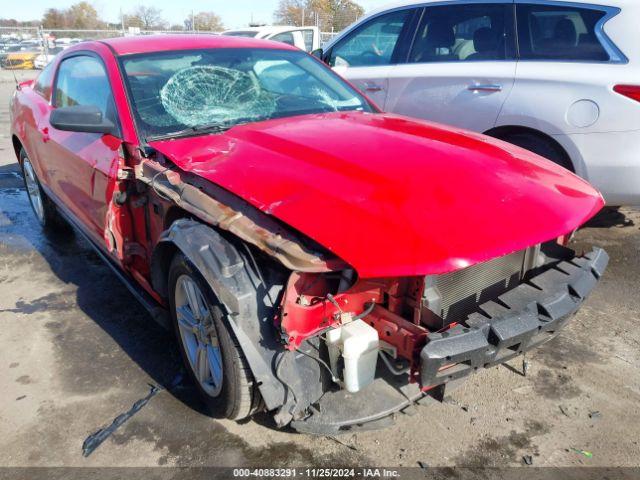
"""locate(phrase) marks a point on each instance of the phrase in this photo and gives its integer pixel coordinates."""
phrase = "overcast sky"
(234, 13)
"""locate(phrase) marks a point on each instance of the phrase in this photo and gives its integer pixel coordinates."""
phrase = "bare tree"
(12, 22)
(83, 15)
(290, 12)
(146, 18)
(208, 21)
(329, 15)
(54, 18)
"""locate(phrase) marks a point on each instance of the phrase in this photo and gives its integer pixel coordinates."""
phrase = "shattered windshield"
(188, 92)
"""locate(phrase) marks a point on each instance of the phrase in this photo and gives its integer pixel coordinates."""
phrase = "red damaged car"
(316, 258)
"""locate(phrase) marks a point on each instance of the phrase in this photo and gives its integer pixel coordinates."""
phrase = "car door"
(367, 55)
(82, 167)
(461, 66)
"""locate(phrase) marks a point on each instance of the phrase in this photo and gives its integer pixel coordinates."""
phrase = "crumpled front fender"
(238, 289)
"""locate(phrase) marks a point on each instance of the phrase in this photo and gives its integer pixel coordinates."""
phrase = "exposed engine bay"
(401, 312)
(435, 330)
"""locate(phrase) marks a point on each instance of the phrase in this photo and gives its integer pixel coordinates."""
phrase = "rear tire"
(43, 208)
(540, 146)
(225, 383)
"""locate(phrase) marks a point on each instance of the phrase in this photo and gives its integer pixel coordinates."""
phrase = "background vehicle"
(7, 49)
(305, 38)
(568, 90)
(22, 60)
(43, 59)
(330, 282)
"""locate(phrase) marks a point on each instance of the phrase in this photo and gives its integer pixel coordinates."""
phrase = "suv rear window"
(560, 32)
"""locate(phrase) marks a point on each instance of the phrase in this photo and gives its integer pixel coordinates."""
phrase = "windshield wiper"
(195, 130)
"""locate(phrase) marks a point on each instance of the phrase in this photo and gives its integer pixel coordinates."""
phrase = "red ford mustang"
(315, 257)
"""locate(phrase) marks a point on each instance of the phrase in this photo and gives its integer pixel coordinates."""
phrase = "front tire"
(210, 352)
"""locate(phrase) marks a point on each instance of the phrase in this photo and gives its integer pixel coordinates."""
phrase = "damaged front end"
(331, 351)
(426, 332)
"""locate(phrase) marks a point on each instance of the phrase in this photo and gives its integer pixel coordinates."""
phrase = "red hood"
(389, 195)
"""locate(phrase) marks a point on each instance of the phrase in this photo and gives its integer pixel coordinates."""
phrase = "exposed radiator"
(453, 296)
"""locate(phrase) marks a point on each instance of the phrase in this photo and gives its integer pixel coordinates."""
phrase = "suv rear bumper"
(609, 161)
(527, 316)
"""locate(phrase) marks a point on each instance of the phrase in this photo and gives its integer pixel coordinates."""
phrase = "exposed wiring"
(321, 362)
(391, 367)
(334, 302)
(284, 382)
(366, 312)
(369, 307)
(259, 273)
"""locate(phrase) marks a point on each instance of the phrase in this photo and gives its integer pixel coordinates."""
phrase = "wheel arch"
(504, 131)
(238, 288)
(173, 214)
(17, 146)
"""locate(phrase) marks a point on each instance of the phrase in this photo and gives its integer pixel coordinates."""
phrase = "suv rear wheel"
(540, 146)
(209, 350)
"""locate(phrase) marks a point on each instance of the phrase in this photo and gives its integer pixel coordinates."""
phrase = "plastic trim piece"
(231, 280)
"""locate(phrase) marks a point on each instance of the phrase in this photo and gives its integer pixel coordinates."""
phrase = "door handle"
(485, 88)
(45, 134)
(372, 87)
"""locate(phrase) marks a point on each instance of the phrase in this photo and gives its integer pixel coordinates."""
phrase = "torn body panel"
(217, 207)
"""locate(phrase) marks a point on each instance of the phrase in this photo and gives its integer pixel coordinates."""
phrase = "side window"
(455, 33)
(284, 37)
(82, 80)
(43, 82)
(373, 43)
(547, 32)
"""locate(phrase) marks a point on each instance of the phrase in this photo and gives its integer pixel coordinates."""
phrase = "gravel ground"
(77, 350)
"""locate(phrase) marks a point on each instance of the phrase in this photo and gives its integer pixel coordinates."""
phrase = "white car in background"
(559, 78)
(305, 38)
(43, 59)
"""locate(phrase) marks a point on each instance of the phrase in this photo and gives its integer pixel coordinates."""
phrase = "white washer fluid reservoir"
(357, 343)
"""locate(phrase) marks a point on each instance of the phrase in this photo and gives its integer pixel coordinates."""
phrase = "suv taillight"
(630, 91)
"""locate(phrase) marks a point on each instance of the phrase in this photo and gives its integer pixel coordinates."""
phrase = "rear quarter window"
(549, 32)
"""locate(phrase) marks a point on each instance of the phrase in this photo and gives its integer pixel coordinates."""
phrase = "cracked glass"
(180, 93)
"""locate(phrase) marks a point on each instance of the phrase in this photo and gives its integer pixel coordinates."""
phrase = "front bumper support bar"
(518, 321)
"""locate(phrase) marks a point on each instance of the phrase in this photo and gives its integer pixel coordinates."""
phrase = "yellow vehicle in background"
(20, 60)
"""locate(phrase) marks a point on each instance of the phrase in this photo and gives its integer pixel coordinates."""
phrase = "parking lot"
(77, 351)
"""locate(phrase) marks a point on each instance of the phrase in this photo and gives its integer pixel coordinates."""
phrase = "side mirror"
(82, 118)
(318, 53)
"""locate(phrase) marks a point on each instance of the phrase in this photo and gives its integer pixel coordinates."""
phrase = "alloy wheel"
(198, 335)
